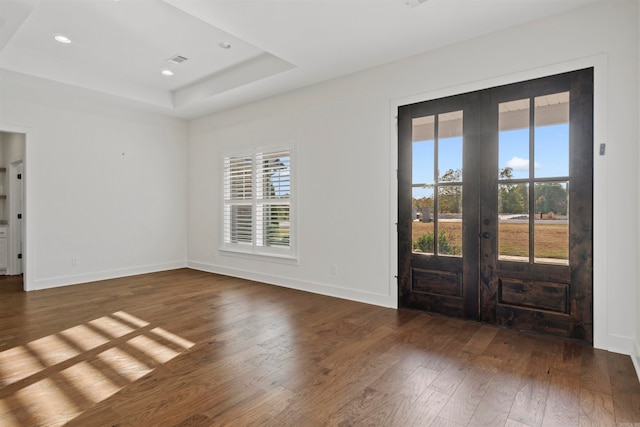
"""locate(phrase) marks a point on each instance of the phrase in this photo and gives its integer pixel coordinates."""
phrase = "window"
(257, 203)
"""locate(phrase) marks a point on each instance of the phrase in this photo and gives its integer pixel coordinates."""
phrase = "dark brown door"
(495, 205)
(438, 206)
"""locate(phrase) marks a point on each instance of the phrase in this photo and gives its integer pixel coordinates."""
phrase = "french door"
(495, 205)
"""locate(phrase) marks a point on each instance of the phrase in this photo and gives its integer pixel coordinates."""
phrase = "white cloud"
(520, 164)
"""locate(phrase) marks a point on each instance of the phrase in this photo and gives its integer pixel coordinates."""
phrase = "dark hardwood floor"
(187, 348)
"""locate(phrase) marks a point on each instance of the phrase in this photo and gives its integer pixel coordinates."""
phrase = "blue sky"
(281, 180)
(551, 155)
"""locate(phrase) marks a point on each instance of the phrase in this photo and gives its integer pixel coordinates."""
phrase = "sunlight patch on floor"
(46, 403)
(55, 378)
(125, 364)
(85, 337)
(155, 350)
(114, 327)
(16, 364)
(52, 350)
(83, 374)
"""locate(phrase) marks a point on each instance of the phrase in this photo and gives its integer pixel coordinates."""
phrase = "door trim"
(16, 234)
(601, 337)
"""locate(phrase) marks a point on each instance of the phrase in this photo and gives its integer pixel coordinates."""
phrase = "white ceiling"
(120, 46)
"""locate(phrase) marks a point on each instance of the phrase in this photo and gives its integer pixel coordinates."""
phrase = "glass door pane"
(551, 183)
(513, 226)
(437, 184)
(422, 182)
(551, 225)
(552, 135)
(514, 150)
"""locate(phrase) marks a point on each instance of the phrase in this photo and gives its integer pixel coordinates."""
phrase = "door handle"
(485, 235)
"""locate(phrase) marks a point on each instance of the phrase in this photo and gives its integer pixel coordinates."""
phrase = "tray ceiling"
(236, 51)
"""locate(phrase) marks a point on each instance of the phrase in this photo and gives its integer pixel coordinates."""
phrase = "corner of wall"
(635, 355)
(635, 358)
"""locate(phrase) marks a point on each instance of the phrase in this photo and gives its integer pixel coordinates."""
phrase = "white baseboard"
(56, 282)
(619, 344)
(635, 357)
(302, 285)
(625, 345)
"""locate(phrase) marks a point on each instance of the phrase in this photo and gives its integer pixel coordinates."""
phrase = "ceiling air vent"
(414, 3)
(177, 59)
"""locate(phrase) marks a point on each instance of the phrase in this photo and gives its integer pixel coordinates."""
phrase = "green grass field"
(551, 240)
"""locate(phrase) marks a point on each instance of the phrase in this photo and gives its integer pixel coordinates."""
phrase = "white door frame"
(28, 243)
(16, 206)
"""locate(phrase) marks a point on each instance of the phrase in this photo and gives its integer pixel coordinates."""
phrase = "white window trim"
(252, 250)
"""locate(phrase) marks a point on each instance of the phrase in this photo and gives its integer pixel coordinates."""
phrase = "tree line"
(550, 197)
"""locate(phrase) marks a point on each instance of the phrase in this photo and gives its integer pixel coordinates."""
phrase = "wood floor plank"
(391, 405)
(481, 340)
(196, 420)
(563, 401)
(464, 402)
(531, 400)
(596, 409)
(443, 422)
(595, 375)
(493, 409)
(188, 348)
(512, 423)
(625, 389)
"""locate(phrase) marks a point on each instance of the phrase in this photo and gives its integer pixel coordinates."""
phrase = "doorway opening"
(12, 204)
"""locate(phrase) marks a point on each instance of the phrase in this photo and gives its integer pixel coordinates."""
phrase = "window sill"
(265, 257)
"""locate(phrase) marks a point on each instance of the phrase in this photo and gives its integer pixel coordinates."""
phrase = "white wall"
(12, 148)
(105, 184)
(346, 158)
(636, 359)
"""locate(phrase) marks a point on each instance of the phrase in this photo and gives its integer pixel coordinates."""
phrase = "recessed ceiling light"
(225, 45)
(62, 39)
(167, 73)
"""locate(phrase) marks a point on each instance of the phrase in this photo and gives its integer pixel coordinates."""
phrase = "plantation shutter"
(238, 200)
(273, 199)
